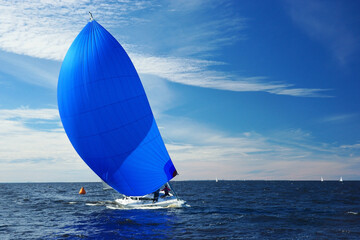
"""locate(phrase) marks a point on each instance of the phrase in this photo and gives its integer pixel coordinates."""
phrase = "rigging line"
(177, 198)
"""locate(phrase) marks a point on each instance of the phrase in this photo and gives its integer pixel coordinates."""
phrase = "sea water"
(213, 210)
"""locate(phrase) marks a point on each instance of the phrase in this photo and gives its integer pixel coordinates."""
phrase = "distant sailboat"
(216, 180)
(321, 179)
(107, 117)
(340, 179)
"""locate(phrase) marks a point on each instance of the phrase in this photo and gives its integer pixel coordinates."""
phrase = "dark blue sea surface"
(215, 210)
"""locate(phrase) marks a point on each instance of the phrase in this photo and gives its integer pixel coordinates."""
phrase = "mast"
(91, 17)
(172, 189)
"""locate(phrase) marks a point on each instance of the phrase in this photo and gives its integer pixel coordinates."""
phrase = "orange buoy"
(82, 191)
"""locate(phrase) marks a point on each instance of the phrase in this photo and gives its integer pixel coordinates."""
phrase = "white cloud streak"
(29, 69)
(195, 72)
(326, 22)
(340, 118)
(26, 113)
(29, 154)
(200, 152)
(353, 146)
(45, 29)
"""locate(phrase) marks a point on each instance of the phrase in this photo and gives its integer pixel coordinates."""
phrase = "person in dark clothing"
(156, 195)
(166, 190)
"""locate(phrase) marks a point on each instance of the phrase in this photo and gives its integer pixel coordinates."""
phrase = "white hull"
(147, 201)
(168, 202)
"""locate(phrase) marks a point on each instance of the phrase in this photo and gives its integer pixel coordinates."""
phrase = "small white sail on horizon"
(340, 179)
(321, 179)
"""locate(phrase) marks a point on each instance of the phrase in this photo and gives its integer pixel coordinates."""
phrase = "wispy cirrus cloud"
(327, 23)
(196, 72)
(340, 118)
(20, 141)
(203, 35)
(287, 154)
(41, 153)
(197, 150)
(46, 29)
(27, 113)
(32, 70)
(353, 146)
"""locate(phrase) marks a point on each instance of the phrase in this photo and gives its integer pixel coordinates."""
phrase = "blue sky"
(240, 89)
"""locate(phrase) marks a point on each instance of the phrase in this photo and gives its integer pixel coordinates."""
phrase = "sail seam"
(114, 129)
(106, 105)
(104, 79)
(132, 150)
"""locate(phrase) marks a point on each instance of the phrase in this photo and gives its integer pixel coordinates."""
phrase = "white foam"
(354, 213)
(95, 204)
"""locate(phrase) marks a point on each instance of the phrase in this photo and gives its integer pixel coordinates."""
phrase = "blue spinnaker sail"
(107, 116)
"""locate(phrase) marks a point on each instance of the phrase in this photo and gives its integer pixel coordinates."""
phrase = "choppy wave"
(226, 210)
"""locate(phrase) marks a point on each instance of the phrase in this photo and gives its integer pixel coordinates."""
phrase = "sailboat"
(321, 179)
(107, 117)
(340, 180)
